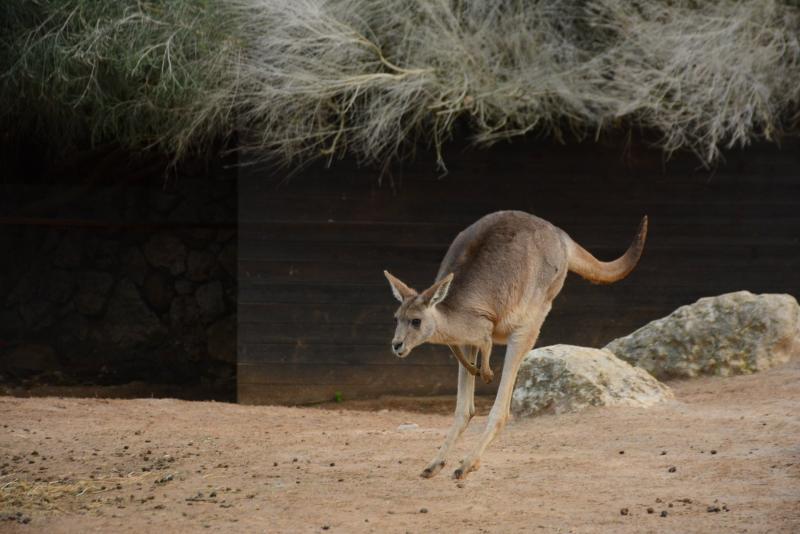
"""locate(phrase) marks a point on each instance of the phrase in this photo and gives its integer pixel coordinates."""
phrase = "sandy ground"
(77, 465)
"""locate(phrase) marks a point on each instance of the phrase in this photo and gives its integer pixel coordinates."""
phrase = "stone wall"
(119, 283)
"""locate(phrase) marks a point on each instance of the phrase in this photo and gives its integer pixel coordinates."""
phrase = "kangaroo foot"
(466, 468)
(487, 375)
(432, 470)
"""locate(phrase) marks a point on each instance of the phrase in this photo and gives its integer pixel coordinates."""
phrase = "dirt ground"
(75, 465)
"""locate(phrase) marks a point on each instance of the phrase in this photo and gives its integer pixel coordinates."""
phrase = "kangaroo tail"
(606, 272)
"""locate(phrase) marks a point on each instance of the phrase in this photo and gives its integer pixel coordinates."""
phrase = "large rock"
(566, 378)
(735, 333)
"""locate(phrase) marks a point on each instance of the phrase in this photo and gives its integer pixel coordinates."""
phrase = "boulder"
(164, 250)
(221, 338)
(566, 378)
(735, 333)
(211, 300)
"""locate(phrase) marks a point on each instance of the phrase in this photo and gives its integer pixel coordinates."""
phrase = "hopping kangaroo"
(496, 284)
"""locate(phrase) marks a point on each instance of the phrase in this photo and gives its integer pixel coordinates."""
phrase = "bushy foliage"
(141, 73)
(304, 79)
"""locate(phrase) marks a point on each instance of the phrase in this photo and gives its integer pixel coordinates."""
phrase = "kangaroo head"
(417, 316)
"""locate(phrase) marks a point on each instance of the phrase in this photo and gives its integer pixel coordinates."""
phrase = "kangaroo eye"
(415, 323)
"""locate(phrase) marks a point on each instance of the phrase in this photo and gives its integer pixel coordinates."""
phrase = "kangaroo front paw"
(432, 470)
(487, 375)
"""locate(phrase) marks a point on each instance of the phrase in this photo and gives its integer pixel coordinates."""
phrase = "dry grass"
(65, 495)
(308, 79)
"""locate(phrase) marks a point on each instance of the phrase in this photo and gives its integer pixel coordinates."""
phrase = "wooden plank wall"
(315, 312)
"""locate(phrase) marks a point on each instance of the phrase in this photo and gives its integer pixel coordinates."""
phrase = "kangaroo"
(495, 285)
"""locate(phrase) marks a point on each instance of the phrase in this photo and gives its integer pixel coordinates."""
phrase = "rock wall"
(120, 284)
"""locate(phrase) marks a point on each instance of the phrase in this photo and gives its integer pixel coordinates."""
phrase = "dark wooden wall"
(315, 312)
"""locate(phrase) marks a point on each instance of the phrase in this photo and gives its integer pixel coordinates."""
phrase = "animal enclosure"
(315, 312)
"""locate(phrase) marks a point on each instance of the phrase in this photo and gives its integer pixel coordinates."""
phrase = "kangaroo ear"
(399, 289)
(438, 291)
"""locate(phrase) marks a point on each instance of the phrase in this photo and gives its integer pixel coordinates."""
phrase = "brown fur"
(495, 285)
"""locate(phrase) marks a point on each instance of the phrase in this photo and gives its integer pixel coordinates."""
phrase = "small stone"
(623, 511)
(672, 469)
(622, 452)
(423, 510)
(713, 451)
(713, 509)
(663, 513)
(650, 510)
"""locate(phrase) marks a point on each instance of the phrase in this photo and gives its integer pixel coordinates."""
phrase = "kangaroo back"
(581, 262)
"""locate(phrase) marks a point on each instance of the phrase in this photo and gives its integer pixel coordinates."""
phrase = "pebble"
(423, 510)
(672, 469)
(650, 510)
(623, 511)
(663, 513)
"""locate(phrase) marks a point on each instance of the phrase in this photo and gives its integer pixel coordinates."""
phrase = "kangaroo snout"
(399, 349)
